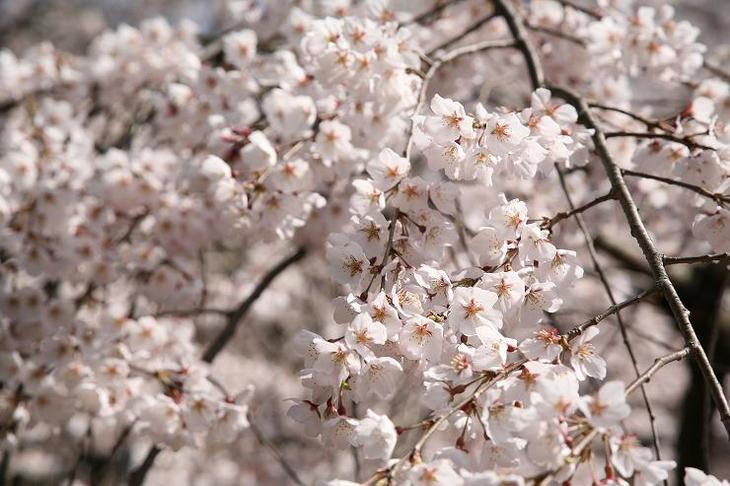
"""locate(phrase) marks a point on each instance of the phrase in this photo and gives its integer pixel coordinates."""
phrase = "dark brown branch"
(192, 312)
(534, 68)
(556, 33)
(717, 257)
(686, 141)
(137, 477)
(717, 197)
(235, 316)
(650, 124)
(549, 223)
(440, 7)
(472, 28)
(622, 257)
(652, 255)
(580, 8)
(536, 76)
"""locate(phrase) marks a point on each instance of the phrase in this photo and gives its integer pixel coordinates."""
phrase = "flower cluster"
(472, 338)
(646, 40)
(110, 370)
(145, 185)
(516, 144)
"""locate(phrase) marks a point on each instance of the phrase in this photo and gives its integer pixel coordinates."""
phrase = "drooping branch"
(592, 432)
(288, 468)
(235, 316)
(717, 197)
(448, 57)
(686, 141)
(549, 223)
(137, 477)
(595, 14)
(612, 299)
(652, 255)
(474, 27)
(658, 364)
(428, 14)
(556, 33)
(593, 321)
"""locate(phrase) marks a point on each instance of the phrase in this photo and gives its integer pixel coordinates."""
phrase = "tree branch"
(650, 124)
(658, 364)
(717, 257)
(665, 136)
(474, 27)
(625, 259)
(717, 197)
(653, 257)
(290, 471)
(440, 7)
(236, 315)
(556, 33)
(716, 70)
(437, 64)
(607, 287)
(588, 11)
(192, 312)
(549, 223)
(534, 68)
(580, 328)
(137, 477)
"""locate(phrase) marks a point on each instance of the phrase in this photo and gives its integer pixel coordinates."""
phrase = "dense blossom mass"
(415, 153)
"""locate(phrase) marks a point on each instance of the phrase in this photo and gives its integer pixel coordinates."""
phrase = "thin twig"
(658, 364)
(236, 315)
(192, 312)
(484, 383)
(716, 70)
(437, 64)
(612, 299)
(549, 223)
(440, 7)
(290, 471)
(474, 27)
(580, 328)
(686, 141)
(717, 197)
(595, 14)
(591, 434)
(650, 124)
(556, 33)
